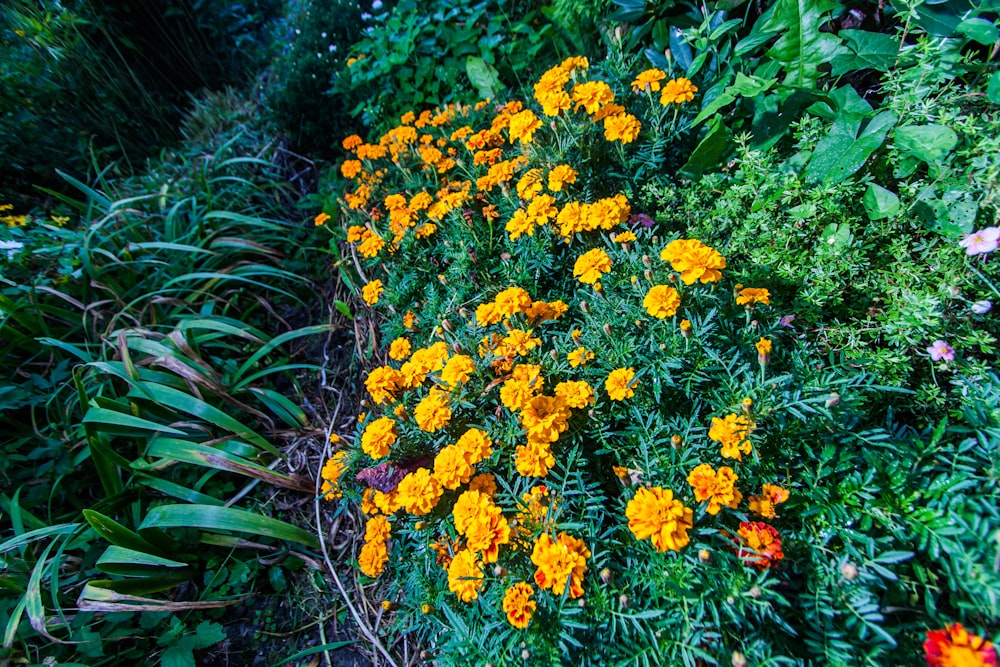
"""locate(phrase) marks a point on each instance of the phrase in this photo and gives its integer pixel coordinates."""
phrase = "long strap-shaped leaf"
(208, 517)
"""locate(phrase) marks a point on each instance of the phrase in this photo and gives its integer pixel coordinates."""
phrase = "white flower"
(12, 248)
(982, 307)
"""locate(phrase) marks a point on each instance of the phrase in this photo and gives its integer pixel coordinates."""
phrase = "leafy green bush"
(580, 422)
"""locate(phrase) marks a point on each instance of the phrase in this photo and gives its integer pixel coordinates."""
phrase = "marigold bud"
(849, 571)
(746, 406)
(439, 332)
(648, 275)
(442, 279)
(505, 256)
(456, 348)
(525, 654)
(388, 605)
(606, 576)
(623, 601)
(638, 323)
(583, 307)
(646, 261)
(704, 555)
(447, 326)
(606, 329)
(739, 660)
(499, 571)
(832, 400)
(582, 603)
(419, 525)
(676, 441)
(554, 355)
(755, 592)
(426, 608)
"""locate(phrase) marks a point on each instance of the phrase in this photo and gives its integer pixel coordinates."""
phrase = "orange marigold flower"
(530, 184)
(475, 445)
(350, 168)
(523, 126)
(763, 351)
(452, 468)
(694, 260)
(458, 370)
(624, 237)
(560, 176)
(591, 265)
(419, 492)
(620, 385)
(377, 529)
(534, 459)
(371, 292)
(761, 545)
(371, 244)
(750, 296)
(733, 433)
(433, 412)
(718, 488)
(373, 558)
(771, 495)
(654, 513)
(515, 394)
(355, 233)
(399, 349)
(519, 225)
(511, 301)
(332, 471)
(579, 357)
(622, 127)
(484, 483)
(560, 561)
(409, 319)
(352, 142)
(648, 80)
(544, 418)
(378, 436)
(468, 508)
(518, 605)
(382, 383)
(677, 91)
(662, 301)
(592, 95)
(954, 646)
(320, 219)
(487, 532)
(465, 576)
(575, 393)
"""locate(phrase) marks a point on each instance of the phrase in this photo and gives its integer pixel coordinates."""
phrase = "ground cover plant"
(590, 441)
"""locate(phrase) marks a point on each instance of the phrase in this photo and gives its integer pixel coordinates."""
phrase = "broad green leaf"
(132, 563)
(207, 517)
(993, 89)
(271, 345)
(979, 30)
(483, 76)
(709, 151)
(176, 490)
(930, 143)
(343, 309)
(286, 410)
(210, 457)
(868, 50)
(679, 49)
(842, 153)
(802, 47)
(880, 203)
(116, 533)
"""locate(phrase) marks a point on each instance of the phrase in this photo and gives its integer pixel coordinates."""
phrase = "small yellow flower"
(677, 91)
(371, 292)
(620, 384)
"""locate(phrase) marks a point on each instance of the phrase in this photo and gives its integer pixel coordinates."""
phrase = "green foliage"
(424, 54)
(303, 98)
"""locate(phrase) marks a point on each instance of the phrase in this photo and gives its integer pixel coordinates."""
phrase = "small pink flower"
(981, 242)
(941, 351)
(786, 321)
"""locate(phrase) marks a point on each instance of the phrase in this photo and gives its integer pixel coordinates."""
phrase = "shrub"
(586, 443)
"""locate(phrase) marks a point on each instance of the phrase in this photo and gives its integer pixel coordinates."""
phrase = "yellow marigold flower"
(620, 385)
(718, 488)
(751, 296)
(654, 513)
(433, 412)
(355, 233)
(694, 260)
(352, 142)
(560, 561)
(468, 508)
(519, 342)
(575, 393)
(487, 314)
(350, 168)
(515, 394)
(519, 225)
(622, 127)
(608, 110)
(530, 184)
(409, 319)
(373, 558)
(733, 433)
(551, 81)
(451, 467)
(523, 126)
(371, 244)
(487, 533)
(382, 383)
(624, 237)
(476, 445)
(458, 370)
(677, 91)
(377, 529)
(419, 492)
(542, 209)
(484, 483)
(579, 357)
(317, 221)
(560, 176)
(648, 80)
(511, 301)
(686, 328)
(332, 471)
(399, 349)
(592, 95)
(534, 459)
(518, 605)
(574, 63)
(771, 495)
(591, 265)
(465, 576)
(378, 436)
(662, 301)
(544, 418)
(763, 347)
(371, 292)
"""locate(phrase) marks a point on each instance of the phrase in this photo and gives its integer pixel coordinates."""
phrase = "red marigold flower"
(760, 544)
(954, 646)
